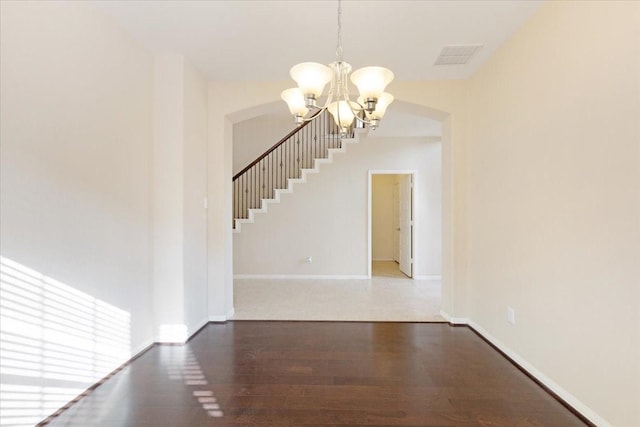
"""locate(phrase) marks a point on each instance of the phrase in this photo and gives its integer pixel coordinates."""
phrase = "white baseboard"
(301, 276)
(222, 318)
(139, 349)
(199, 326)
(583, 409)
(176, 333)
(428, 277)
(454, 320)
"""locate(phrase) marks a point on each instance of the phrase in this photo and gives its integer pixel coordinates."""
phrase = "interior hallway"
(388, 296)
(387, 269)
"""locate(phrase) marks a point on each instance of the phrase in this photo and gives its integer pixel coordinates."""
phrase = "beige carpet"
(388, 296)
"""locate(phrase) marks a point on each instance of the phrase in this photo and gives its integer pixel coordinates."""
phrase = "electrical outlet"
(309, 260)
(511, 315)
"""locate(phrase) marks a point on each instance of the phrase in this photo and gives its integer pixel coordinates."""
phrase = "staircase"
(286, 163)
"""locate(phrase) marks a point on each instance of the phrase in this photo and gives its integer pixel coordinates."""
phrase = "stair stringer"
(291, 182)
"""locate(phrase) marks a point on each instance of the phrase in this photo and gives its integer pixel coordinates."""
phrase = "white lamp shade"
(371, 81)
(311, 77)
(295, 101)
(341, 113)
(381, 106)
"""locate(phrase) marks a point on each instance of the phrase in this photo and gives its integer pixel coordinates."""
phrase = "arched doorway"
(283, 274)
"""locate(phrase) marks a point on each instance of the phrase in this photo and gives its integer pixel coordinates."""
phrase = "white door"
(405, 220)
(396, 219)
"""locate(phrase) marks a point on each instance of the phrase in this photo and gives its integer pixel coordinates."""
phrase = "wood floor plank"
(321, 373)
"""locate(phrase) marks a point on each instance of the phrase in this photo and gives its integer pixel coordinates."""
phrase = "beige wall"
(446, 101)
(382, 217)
(554, 202)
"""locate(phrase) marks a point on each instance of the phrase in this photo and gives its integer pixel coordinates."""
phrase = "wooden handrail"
(277, 144)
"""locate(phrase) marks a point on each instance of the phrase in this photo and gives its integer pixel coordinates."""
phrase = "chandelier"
(312, 77)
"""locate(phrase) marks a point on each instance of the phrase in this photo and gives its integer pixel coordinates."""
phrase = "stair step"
(298, 152)
(291, 182)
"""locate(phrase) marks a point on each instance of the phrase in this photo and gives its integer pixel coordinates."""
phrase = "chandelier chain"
(339, 43)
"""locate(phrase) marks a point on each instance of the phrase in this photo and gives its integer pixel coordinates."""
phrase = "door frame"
(414, 204)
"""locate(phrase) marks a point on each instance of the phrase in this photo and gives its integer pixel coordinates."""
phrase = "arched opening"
(255, 113)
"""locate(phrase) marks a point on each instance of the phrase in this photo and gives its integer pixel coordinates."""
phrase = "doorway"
(391, 224)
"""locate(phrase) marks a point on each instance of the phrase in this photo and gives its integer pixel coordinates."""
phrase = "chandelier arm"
(356, 112)
(344, 92)
(344, 79)
(347, 99)
(345, 85)
(331, 93)
(315, 115)
(361, 120)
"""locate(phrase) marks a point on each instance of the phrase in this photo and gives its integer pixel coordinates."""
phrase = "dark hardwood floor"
(321, 373)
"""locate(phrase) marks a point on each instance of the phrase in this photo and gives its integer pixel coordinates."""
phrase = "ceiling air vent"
(457, 55)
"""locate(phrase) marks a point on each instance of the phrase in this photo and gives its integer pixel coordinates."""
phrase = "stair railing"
(283, 161)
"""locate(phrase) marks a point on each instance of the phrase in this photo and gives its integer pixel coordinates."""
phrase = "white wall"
(76, 139)
(382, 217)
(555, 202)
(253, 137)
(195, 191)
(180, 187)
(228, 103)
(326, 218)
(168, 188)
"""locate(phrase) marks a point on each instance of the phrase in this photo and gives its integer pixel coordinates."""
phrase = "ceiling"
(261, 40)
